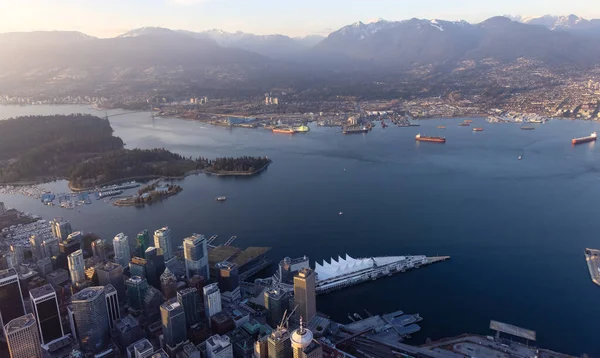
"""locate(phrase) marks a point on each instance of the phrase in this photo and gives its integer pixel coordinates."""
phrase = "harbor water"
(516, 229)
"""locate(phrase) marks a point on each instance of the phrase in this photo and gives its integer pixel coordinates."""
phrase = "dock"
(592, 258)
(435, 259)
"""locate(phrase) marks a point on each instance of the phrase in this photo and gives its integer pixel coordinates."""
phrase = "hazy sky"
(105, 18)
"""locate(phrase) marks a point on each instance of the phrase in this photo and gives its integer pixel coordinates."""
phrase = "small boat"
(520, 157)
(464, 124)
(441, 127)
(341, 213)
(468, 121)
(477, 129)
(527, 128)
(221, 198)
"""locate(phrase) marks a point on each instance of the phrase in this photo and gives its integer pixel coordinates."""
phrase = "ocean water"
(515, 229)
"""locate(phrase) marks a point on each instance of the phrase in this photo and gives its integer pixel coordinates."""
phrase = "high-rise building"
(61, 229)
(212, 300)
(70, 245)
(2, 209)
(76, 267)
(23, 338)
(71, 317)
(136, 290)
(162, 241)
(112, 305)
(198, 282)
(44, 266)
(305, 294)
(37, 249)
(137, 267)
(279, 343)
(173, 323)
(229, 281)
(58, 278)
(18, 252)
(189, 351)
(261, 347)
(303, 345)
(45, 308)
(11, 299)
(288, 268)
(188, 298)
(121, 248)
(277, 301)
(142, 242)
(152, 301)
(219, 347)
(50, 247)
(152, 266)
(77, 236)
(168, 284)
(128, 331)
(99, 249)
(91, 318)
(142, 349)
(112, 274)
(196, 256)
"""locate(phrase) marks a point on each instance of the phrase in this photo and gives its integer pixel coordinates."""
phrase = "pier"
(592, 258)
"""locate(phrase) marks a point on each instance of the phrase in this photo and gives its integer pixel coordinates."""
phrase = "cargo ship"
(527, 128)
(354, 130)
(592, 137)
(421, 138)
(284, 130)
(477, 129)
(464, 124)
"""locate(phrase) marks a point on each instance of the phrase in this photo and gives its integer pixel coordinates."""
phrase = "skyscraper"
(91, 318)
(279, 343)
(70, 245)
(112, 305)
(61, 229)
(76, 267)
(142, 241)
(173, 323)
(196, 256)
(212, 300)
(168, 284)
(23, 338)
(304, 294)
(2, 209)
(77, 236)
(162, 241)
(229, 281)
(45, 308)
(18, 254)
(136, 290)
(50, 247)
(137, 267)
(99, 249)
(121, 247)
(219, 347)
(44, 266)
(37, 250)
(11, 299)
(112, 274)
(152, 266)
(303, 345)
(188, 298)
(277, 302)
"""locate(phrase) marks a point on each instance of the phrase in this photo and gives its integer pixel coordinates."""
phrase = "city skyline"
(292, 18)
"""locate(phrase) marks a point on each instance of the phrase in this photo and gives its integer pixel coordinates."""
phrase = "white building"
(76, 267)
(121, 247)
(195, 252)
(212, 300)
(219, 347)
(162, 241)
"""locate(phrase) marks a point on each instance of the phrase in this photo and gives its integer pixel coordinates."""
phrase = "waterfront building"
(279, 343)
(47, 313)
(277, 302)
(162, 241)
(50, 247)
(219, 347)
(18, 252)
(121, 248)
(91, 318)
(188, 299)
(195, 251)
(142, 241)
(173, 323)
(11, 299)
(99, 249)
(23, 338)
(37, 250)
(112, 305)
(212, 299)
(76, 267)
(137, 267)
(168, 284)
(229, 281)
(136, 290)
(153, 263)
(303, 345)
(112, 274)
(61, 229)
(305, 294)
(288, 268)
(44, 266)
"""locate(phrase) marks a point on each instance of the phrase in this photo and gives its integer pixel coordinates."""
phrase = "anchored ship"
(284, 130)
(527, 128)
(422, 138)
(354, 130)
(464, 124)
(477, 129)
(592, 137)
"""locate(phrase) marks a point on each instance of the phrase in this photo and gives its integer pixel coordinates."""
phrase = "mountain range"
(154, 54)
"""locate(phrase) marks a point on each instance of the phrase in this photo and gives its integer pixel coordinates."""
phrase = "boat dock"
(592, 258)
(434, 259)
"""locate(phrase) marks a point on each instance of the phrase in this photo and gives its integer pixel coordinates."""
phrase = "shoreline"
(141, 177)
(234, 174)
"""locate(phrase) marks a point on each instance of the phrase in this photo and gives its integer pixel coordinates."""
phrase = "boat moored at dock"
(592, 137)
(422, 138)
(354, 130)
(284, 130)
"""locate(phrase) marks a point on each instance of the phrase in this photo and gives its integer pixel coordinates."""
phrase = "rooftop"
(221, 253)
(20, 323)
(87, 294)
(7, 273)
(250, 254)
(42, 291)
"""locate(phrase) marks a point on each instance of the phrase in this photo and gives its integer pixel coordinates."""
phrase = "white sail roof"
(348, 265)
